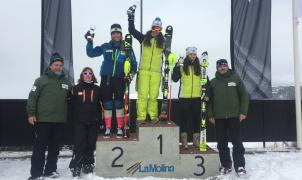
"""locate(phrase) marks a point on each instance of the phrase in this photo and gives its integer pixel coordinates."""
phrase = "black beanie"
(55, 57)
(221, 62)
(116, 28)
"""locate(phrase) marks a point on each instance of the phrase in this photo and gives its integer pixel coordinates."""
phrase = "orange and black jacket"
(86, 98)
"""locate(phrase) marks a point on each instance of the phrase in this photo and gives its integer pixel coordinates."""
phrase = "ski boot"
(119, 133)
(140, 122)
(107, 133)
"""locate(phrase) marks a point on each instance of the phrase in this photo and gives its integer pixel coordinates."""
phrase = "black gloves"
(89, 37)
(129, 78)
(131, 12)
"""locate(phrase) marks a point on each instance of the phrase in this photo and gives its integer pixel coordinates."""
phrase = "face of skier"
(56, 67)
(87, 76)
(116, 36)
(223, 68)
(155, 31)
(192, 56)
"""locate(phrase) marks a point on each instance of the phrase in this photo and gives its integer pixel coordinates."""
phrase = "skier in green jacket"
(150, 68)
(189, 74)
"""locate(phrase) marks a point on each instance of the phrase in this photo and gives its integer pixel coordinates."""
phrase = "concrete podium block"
(153, 151)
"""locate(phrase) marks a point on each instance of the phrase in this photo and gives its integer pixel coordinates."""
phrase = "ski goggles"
(156, 28)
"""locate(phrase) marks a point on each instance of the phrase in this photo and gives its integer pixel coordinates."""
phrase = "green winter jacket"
(151, 57)
(47, 99)
(229, 96)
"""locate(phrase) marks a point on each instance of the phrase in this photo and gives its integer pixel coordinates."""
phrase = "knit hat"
(116, 28)
(221, 62)
(157, 22)
(55, 57)
(190, 50)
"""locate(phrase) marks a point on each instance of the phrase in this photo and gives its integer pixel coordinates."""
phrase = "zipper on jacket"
(152, 54)
(115, 56)
(91, 96)
(84, 96)
(191, 74)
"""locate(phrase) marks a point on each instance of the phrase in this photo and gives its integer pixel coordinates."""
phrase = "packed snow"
(281, 164)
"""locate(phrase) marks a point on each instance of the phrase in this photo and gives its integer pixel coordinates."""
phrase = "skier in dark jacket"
(86, 116)
(47, 112)
(112, 75)
(228, 107)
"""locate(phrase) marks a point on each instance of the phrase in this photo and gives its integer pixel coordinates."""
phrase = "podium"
(153, 151)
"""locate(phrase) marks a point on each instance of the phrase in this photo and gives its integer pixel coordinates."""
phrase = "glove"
(172, 58)
(180, 61)
(131, 12)
(129, 78)
(89, 37)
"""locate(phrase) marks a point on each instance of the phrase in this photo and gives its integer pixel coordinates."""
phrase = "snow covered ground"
(266, 165)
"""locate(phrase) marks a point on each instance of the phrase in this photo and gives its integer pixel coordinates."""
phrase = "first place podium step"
(153, 151)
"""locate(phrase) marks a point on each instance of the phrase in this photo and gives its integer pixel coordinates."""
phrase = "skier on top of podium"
(189, 73)
(112, 75)
(149, 75)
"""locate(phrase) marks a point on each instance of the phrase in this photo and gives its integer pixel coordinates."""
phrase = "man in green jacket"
(228, 106)
(47, 112)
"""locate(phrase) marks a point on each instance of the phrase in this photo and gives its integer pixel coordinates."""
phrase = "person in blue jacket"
(112, 75)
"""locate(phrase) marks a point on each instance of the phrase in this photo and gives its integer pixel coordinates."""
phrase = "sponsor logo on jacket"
(232, 84)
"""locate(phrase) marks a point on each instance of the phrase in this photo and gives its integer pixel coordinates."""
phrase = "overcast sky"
(203, 23)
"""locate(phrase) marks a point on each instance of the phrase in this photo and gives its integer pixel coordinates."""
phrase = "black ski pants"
(190, 115)
(231, 127)
(46, 136)
(85, 136)
(113, 89)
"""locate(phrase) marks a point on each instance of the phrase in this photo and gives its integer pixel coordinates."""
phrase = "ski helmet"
(116, 28)
(157, 22)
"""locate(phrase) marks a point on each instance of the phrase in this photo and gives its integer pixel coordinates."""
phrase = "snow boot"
(184, 140)
(196, 140)
(224, 170)
(241, 172)
(88, 168)
(76, 172)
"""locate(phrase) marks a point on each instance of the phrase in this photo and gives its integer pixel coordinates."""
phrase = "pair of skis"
(165, 113)
(204, 80)
(127, 69)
